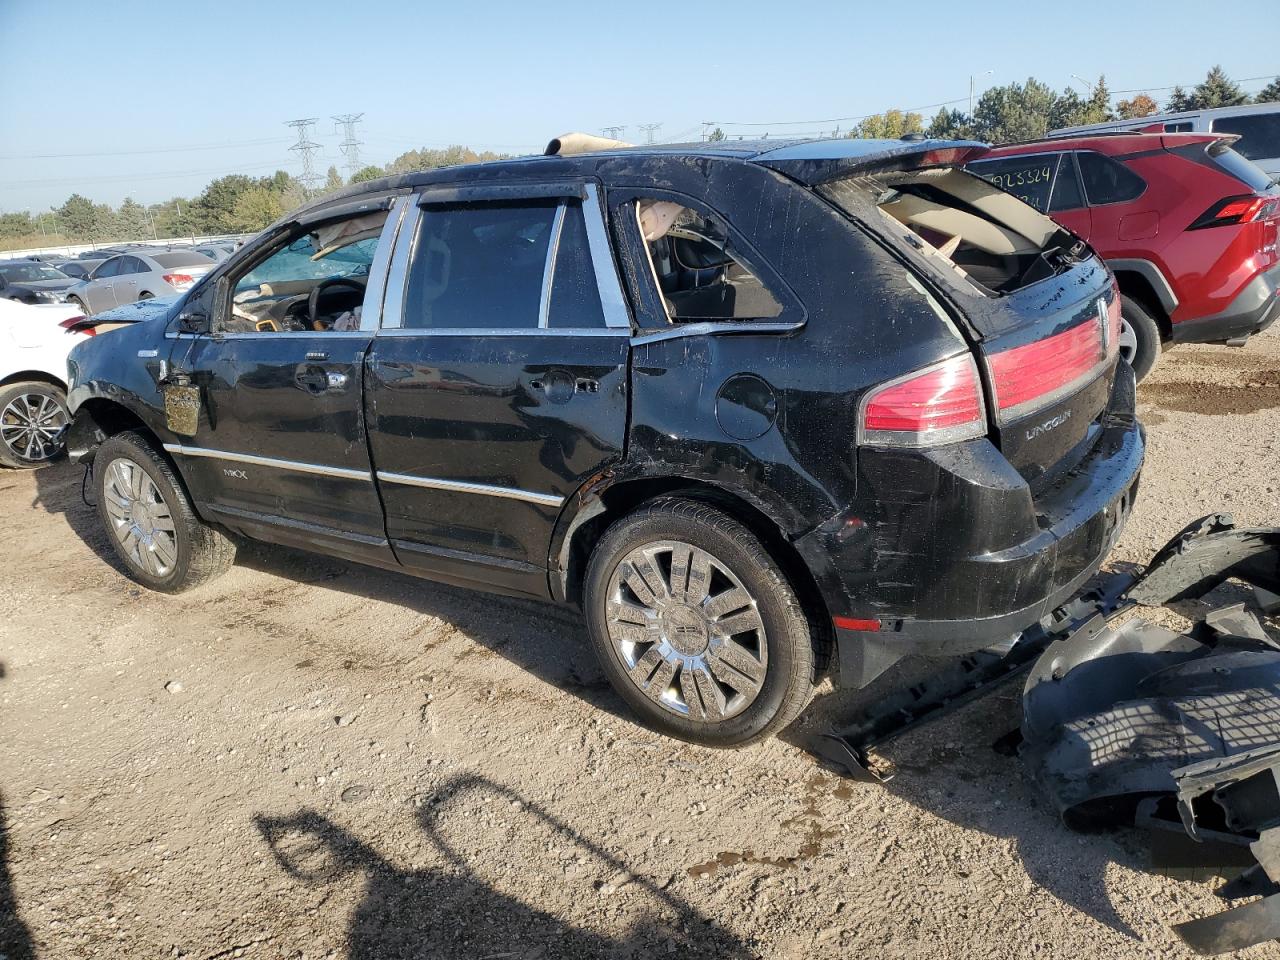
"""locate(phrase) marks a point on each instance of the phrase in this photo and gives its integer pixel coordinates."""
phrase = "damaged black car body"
(761, 410)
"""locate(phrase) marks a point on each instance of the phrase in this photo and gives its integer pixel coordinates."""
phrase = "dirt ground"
(312, 759)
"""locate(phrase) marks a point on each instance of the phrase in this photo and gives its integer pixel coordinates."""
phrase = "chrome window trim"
(459, 486)
(502, 332)
(392, 315)
(715, 327)
(549, 270)
(375, 288)
(608, 283)
(295, 465)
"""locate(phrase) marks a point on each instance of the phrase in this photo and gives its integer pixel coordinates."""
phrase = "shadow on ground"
(15, 938)
(448, 910)
(950, 769)
(548, 641)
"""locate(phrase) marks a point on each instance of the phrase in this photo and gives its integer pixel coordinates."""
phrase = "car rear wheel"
(696, 626)
(33, 417)
(78, 304)
(1140, 339)
(146, 296)
(150, 521)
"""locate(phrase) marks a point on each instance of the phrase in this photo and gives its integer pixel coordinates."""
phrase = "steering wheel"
(323, 289)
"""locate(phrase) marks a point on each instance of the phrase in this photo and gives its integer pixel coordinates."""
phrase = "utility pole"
(649, 129)
(350, 146)
(305, 147)
(985, 73)
(614, 133)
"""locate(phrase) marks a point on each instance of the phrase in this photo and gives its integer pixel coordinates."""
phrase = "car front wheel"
(150, 520)
(33, 417)
(696, 626)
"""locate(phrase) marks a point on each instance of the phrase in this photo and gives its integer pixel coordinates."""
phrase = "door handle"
(317, 380)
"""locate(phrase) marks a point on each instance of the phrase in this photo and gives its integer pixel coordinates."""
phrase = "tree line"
(241, 204)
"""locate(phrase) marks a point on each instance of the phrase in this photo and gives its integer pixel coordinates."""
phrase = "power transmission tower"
(614, 133)
(350, 146)
(305, 147)
(649, 129)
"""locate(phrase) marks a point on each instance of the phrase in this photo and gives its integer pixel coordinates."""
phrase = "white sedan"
(33, 382)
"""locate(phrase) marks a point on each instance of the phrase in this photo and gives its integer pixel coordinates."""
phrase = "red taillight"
(1236, 210)
(1042, 372)
(940, 404)
(70, 323)
(178, 279)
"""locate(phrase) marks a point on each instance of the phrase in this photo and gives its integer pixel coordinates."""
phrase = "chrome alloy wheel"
(140, 519)
(31, 426)
(1128, 342)
(687, 631)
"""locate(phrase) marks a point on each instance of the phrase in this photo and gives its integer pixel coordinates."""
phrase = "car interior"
(696, 268)
(314, 282)
(990, 239)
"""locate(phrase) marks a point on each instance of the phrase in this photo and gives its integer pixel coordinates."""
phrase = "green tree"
(333, 181)
(213, 210)
(716, 135)
(1179, 100)
(890, 125)
(1270, 93)
(1098, 108)
(294, 196)
(950, 125)
(365, 174)
(77, 217)
(1017, 111)
(430, 159)
(1138, 106)
(1217, 90)
(132, 221)
(254, 209)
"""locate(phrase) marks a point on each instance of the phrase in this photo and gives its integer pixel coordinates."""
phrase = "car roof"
(1109, 142)
(807, 160)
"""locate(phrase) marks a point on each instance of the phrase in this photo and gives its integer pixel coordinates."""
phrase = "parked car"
(1187, 225)
(30, 281)
(77, 269)
(215, 252)
(756, 408)
(138, 276)
(33, 382)
(1257, 125)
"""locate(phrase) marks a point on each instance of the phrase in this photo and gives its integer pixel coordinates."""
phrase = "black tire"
(19, 405)
(78, 304)
(1147, 333)
(789, 665)
(146, 296)
(202, 552)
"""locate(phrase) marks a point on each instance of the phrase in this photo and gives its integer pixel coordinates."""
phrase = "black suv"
(762, 410)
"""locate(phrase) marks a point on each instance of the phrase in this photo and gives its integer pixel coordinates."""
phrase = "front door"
(498, 383)
(280, 450)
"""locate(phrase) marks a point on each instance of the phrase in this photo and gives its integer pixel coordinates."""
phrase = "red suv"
(1188, 226)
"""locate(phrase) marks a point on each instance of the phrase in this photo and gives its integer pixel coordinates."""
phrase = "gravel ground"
(308, 758)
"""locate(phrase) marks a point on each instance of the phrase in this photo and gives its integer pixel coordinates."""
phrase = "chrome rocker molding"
(294, 465)
(484, 489)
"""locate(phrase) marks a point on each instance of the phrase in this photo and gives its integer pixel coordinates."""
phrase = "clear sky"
(122, 97)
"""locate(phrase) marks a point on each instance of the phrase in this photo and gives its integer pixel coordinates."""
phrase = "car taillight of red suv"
(1188, 226)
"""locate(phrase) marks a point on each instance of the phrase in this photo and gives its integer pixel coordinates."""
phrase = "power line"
(816, 123)
(649, 129)
(262, 141)
(305, 148)
(350, 146)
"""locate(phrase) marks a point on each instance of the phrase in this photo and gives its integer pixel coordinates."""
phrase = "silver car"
(138, 276)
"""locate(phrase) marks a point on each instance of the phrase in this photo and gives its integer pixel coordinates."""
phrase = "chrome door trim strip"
(375, 288)
(295, 465)
(392, 316)
(717, 327)
(509, 332)
(616, 314)
(548, 271)
(459, 486)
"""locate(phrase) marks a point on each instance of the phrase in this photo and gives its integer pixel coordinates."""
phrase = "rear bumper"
(975, 558)
(1254, 309)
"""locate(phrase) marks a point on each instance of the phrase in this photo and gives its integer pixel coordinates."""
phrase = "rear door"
(125, 285)
(1046, 181)
(498, 382)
